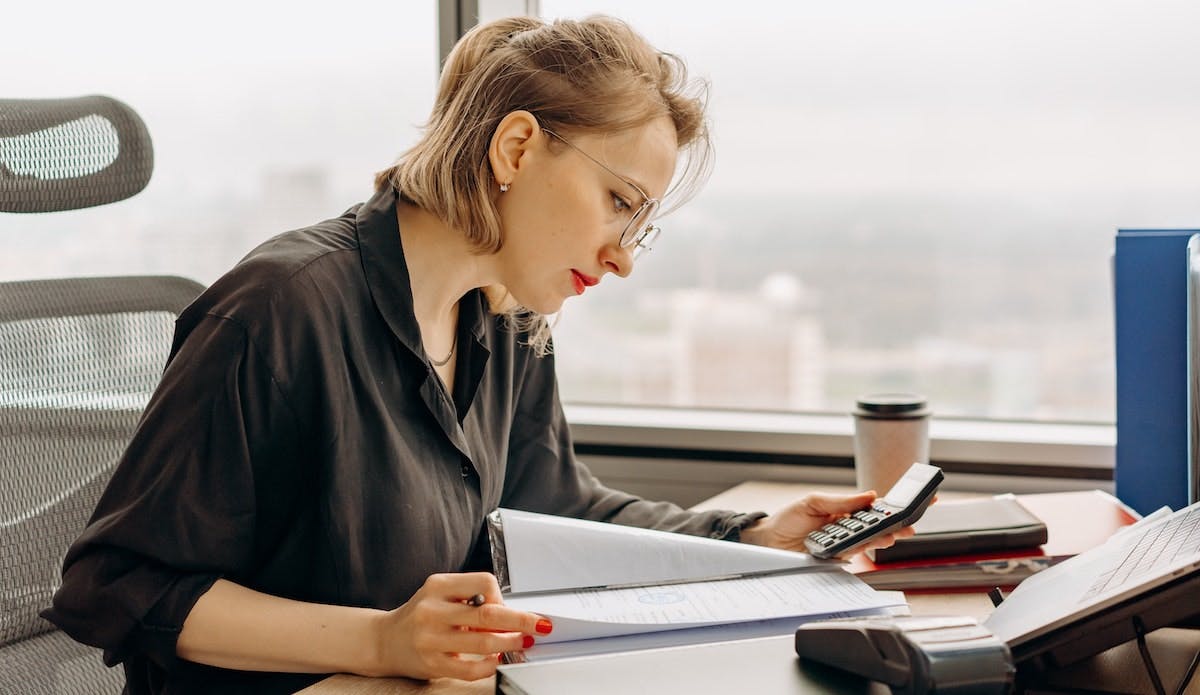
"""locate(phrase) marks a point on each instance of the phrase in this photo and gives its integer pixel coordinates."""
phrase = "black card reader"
(913, 655)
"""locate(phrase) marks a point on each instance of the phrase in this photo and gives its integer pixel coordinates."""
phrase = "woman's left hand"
(788, 527)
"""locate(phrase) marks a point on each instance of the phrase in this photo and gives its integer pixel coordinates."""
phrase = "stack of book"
(994, 541)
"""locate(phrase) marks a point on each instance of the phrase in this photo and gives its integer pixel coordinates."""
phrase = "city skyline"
(808, 309)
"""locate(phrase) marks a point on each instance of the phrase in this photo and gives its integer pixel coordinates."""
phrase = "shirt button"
(466, 471)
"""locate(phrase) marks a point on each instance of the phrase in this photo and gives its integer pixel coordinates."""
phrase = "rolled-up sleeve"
(181, 508)
(543, 474)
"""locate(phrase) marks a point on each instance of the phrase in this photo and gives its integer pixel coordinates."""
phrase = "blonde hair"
(595, 74)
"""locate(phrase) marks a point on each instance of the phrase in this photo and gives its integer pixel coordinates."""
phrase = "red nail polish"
(543, 627)
(526, 642)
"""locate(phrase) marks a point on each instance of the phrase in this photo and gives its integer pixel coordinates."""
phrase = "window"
(265, 116)
(916, 195)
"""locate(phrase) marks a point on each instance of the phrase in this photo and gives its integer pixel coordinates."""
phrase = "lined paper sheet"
(589, 613)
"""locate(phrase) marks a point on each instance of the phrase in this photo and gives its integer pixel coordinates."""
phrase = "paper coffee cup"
(891, 432)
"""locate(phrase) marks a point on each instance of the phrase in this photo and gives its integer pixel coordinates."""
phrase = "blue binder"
(1150, 303)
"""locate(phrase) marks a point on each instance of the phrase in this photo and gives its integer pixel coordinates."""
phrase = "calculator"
(900, 507)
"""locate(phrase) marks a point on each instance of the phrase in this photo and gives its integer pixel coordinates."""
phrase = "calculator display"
(903, 491)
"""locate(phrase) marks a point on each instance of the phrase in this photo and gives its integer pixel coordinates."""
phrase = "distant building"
(762, 349)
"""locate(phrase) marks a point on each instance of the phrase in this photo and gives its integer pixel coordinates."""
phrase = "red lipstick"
(582, 281)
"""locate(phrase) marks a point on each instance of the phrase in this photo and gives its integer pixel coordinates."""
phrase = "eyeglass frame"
(638, 240)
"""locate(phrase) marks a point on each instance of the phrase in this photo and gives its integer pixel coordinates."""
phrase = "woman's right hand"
(437, 633)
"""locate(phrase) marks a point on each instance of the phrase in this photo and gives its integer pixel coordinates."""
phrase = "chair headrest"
(66, 154)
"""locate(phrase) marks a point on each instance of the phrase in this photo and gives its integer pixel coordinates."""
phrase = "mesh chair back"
(81, 357)
(65, 154)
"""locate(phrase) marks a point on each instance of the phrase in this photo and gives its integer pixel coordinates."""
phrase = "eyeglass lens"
(639, 230)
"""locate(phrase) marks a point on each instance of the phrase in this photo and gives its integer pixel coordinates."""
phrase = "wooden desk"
(748, 496)
(343, 684)
(1117, 670)
(972, 604)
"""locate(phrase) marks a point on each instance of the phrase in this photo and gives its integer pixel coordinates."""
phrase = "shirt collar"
(387, 273)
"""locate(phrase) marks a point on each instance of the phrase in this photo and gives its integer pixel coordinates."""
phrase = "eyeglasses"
(640, 232)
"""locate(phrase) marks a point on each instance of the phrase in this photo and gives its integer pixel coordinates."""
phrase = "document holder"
(1171, 605)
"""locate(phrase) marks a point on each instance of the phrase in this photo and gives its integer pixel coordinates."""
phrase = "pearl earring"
(504, 188)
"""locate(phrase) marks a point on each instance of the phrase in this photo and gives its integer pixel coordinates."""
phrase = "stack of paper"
(1067, 537)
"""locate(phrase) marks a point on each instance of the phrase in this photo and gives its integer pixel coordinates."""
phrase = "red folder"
(1075, 521)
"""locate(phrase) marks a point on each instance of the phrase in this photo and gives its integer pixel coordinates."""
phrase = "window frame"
(980, 454)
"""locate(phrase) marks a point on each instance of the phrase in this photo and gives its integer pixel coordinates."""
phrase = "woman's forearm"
(238, 628)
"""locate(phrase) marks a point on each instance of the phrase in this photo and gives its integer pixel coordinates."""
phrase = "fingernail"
(499, 658)
(526, 642)
(543, 627)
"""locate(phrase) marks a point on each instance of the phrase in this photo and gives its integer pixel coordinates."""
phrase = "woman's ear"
(511, 141)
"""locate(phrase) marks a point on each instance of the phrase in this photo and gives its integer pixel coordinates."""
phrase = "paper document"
(686, 636)
(547, 553)
(588, 613)
(1055, 594)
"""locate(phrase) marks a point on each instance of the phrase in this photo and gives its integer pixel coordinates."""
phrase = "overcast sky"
(909, 95)
(886, 95)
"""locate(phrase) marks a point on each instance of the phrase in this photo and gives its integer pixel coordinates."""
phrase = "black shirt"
(301, 444)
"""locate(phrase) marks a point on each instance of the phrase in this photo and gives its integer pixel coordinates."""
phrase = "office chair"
(79, 358)
(66, 154)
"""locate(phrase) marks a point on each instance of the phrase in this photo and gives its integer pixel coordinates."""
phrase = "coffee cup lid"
(891, 405)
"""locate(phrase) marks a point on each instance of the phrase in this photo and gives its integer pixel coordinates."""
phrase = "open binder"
(611, 588)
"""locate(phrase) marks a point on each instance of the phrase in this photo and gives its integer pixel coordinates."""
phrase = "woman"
(306, 490)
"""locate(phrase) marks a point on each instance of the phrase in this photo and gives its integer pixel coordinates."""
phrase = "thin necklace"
(442, 362)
